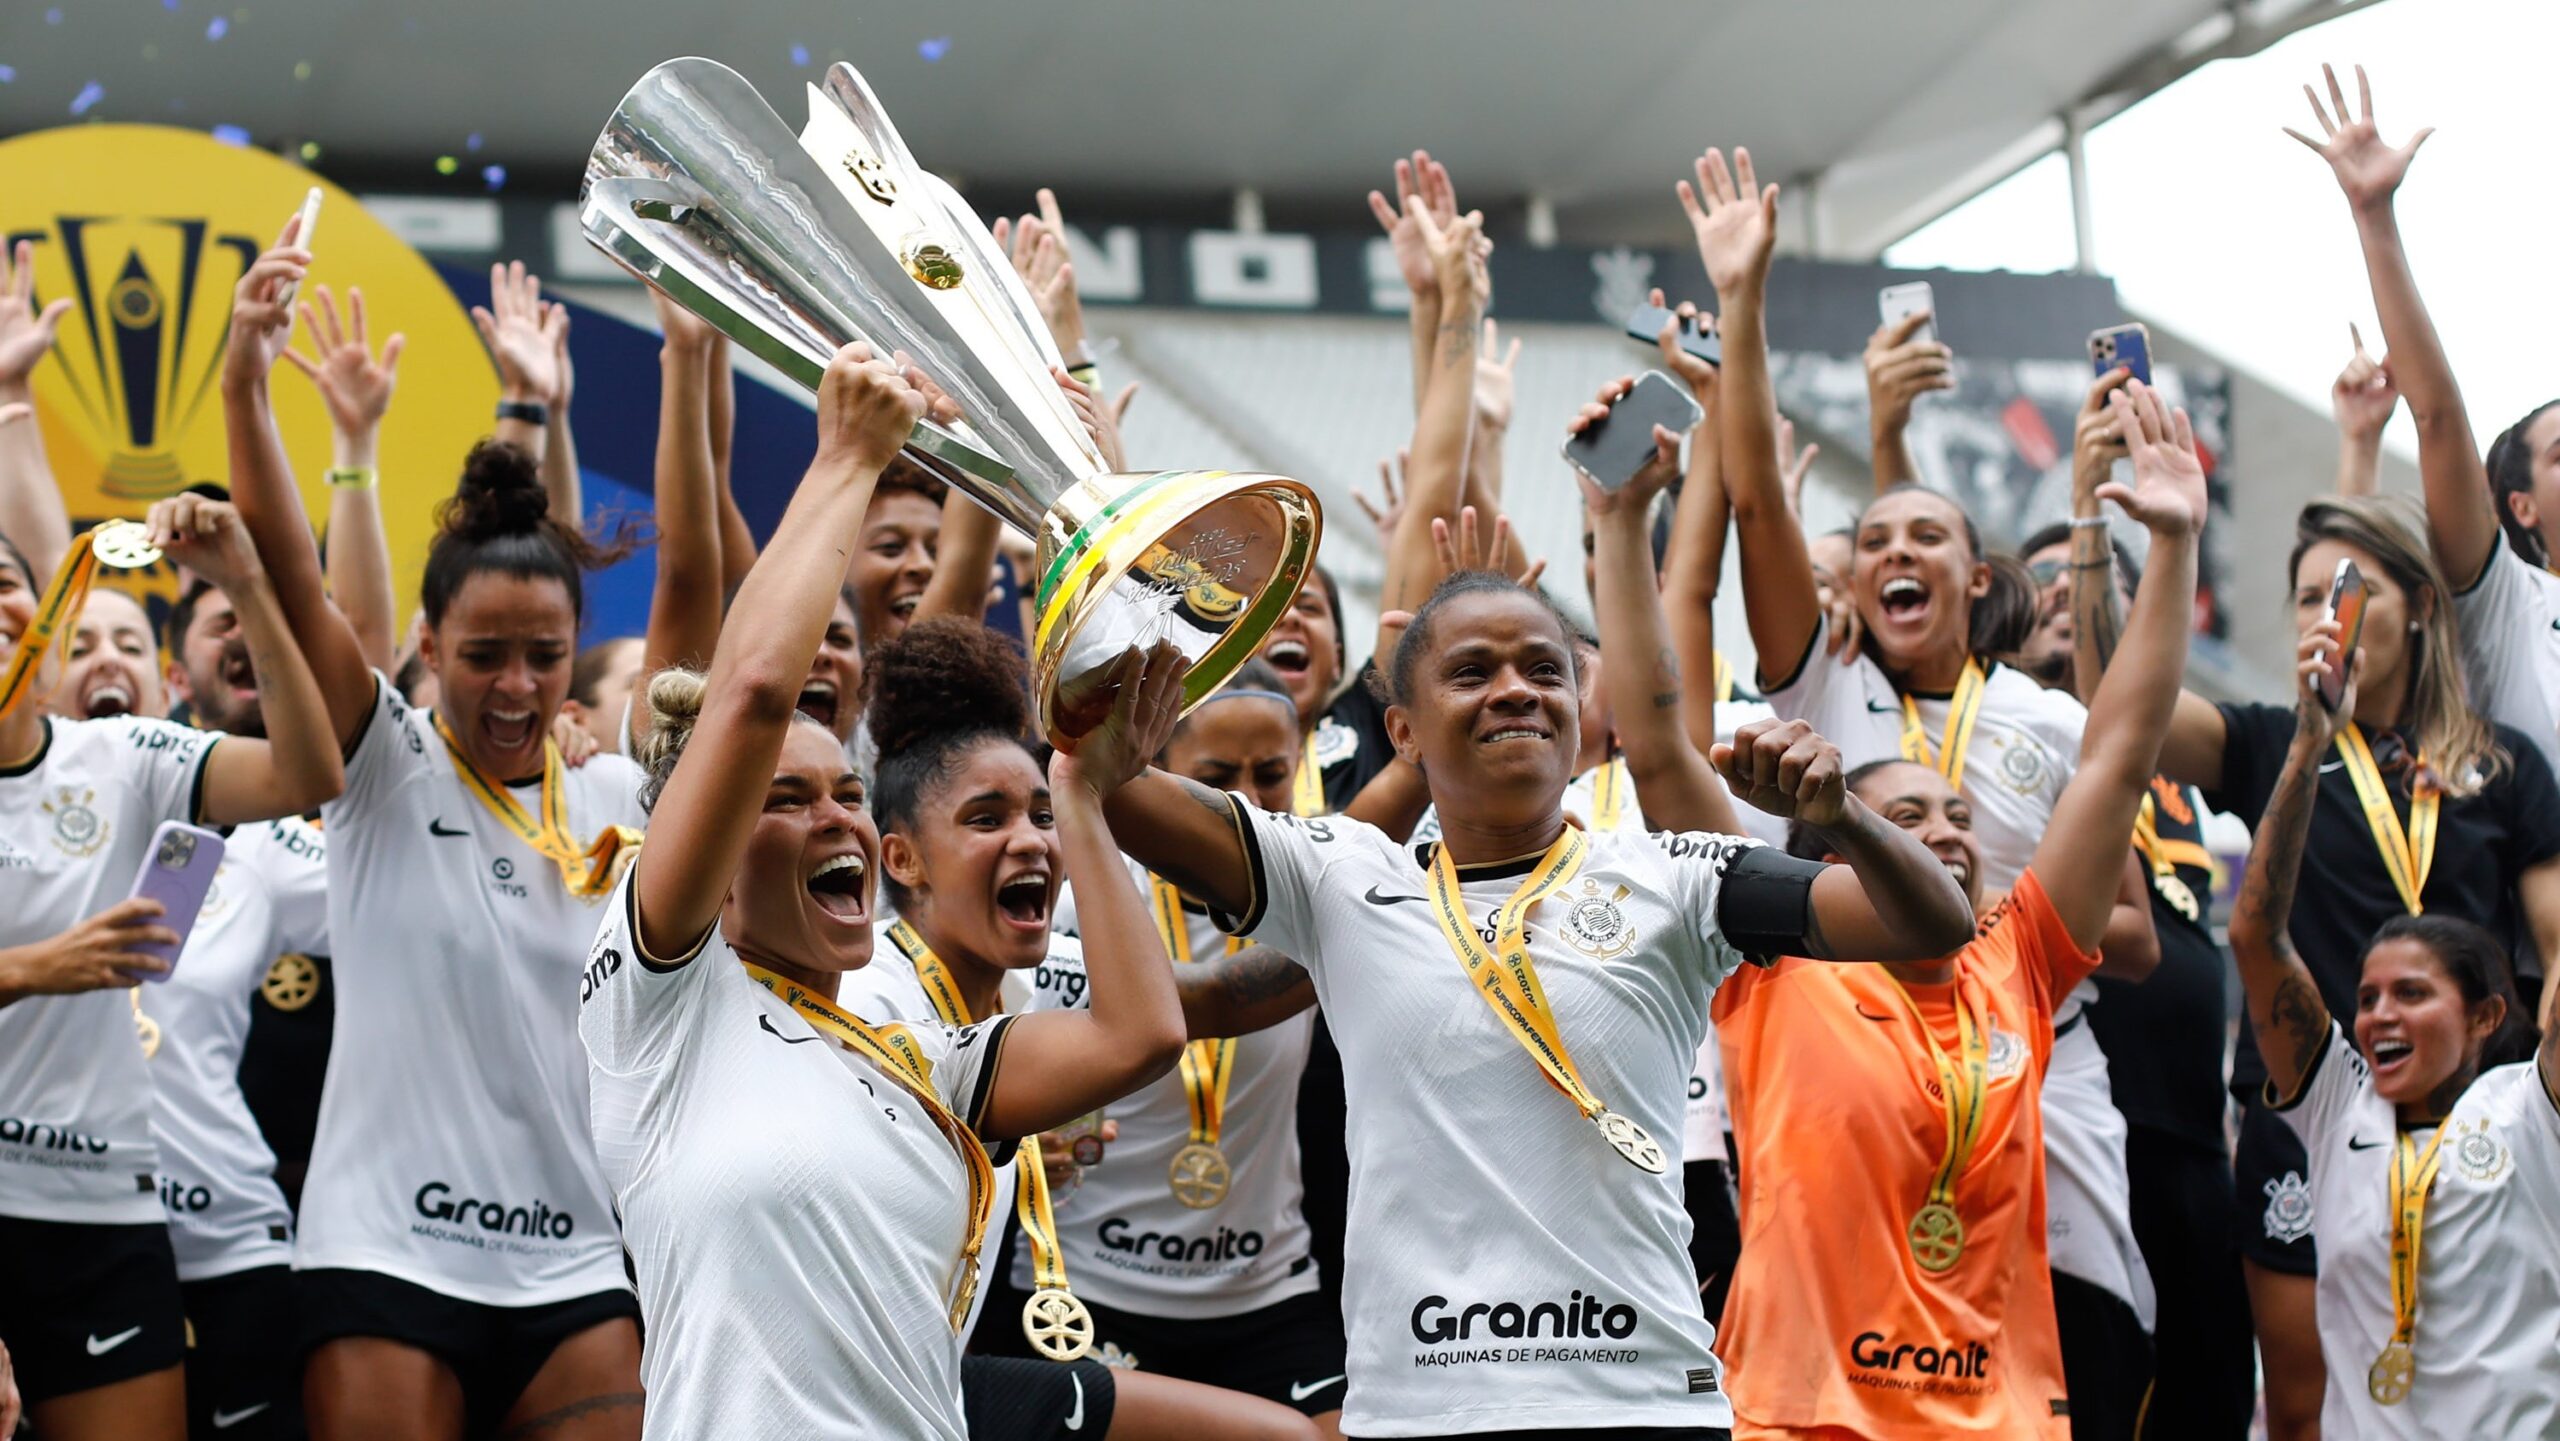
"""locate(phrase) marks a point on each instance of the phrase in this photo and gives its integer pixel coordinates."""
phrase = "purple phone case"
(178, 873)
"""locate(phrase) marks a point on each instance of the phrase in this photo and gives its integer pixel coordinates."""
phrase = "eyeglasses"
(2047, 572)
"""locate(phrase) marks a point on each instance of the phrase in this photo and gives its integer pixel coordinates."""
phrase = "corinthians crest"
(1596, 925)
(2477, 1154)
(78, 829)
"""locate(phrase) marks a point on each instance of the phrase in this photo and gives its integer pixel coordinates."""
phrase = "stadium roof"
(1893, 111)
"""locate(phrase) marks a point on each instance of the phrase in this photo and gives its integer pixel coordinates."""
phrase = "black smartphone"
(1612, 449)
(2346, 607)
(1646, 325)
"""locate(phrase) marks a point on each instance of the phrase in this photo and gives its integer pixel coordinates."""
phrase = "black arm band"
(531, 412)
(1766, 904)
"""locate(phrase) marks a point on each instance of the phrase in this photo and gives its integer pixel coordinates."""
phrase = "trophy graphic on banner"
(795, 245)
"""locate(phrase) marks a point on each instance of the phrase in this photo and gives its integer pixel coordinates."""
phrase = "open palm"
(2168, 490)
(2367, 170)
(355, 386)
(1733, 217)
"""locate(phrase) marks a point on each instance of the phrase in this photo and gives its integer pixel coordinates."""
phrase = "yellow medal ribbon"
(1608, 793)
(1199, 1174)
(2164, 856)
(1508, 981)
(894, 1051)
(2413, 1175)
(588, 871)
(1306, 795)
(2408, 854)
(1724, 679)
(1948, 759)
(1058, 1325)
(1936, 1231)
(119, 544)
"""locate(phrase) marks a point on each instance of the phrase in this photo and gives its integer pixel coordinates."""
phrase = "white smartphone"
(1899, 302)
(302, 237)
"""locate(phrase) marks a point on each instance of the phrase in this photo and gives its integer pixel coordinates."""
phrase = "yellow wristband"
(359, 477)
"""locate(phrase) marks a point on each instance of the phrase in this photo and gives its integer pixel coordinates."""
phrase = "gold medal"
(124, 545)
(292, 981)
(1199, 1176)
(1058, 1325)
(1937, 1237)
(2392, 1374)
(1631, 1141)
(589, 871)
(145, 1029)
(2176, 893)
(1086, 1149)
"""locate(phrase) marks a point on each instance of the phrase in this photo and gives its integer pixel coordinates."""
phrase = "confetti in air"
(800, 55)
(310, 151)
(471, 142)
(446, 165)
(302, 70)
(934, 49)
(169, 5)
(217, 27)
(90, 94)
(53, 16)
(496, 175)
(231, 135)
(7, 74)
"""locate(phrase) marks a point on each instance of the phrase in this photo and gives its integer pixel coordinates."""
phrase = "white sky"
(2218, 226)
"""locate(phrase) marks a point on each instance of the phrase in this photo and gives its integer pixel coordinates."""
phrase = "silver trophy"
(795, 245)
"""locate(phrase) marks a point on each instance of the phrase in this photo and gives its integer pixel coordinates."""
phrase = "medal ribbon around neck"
(1724, 679)
(119, 545)
(1608, 793)
(1306, 789)
(2413, 1175)
(2165, 856)
(1199, 1175)
(894, 1051)
(588, 872)
(1948, 760)
(1936, 1232)
(1508, 981)
(1053, 1320)
(2408, 854)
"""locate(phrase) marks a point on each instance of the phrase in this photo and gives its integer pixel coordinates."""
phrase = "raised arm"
(295, 766)
(2285, 1009)
(356, 387)
(1900, 369)
(1186, 833)
(2362, 398)
(1059, 1065)
(262, 487)
(31, 511)
(1245, 991)
(2462, 516)
(1422, 184)
(1497, 384)
(737, 542)
(2097, 607)
(1737, 228)
(1693, 564)
(1676, 787)
(685, 598)
(561, 478)
(527, 358)
(2081, 859)
(1435, 481)
(700, 826)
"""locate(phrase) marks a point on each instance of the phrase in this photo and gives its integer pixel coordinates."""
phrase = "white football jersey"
(2510, 621)
(794, 1216)
(2488, 1338)
(1505, 1267)
(75, 1093)
(1132, 1247)
(217, 1175)
(453, 1149)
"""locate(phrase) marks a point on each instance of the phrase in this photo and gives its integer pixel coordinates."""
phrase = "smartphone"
(2346, 607)
(178, 873)
(2128, 346)
(1614, 448)
(1898, 302)
(302, 237)
(1646, 325)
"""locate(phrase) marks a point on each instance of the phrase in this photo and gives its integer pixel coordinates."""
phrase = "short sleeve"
(2329, 1095)
(2047, 962)
(632, 1008)
(167, 770)
(385, 748)
(2254, 741)
(2533, 805)
(1286, 855)
(2510, 650)
(1848, 703)
(295, 868)
(965, 1059)
(1699, 860)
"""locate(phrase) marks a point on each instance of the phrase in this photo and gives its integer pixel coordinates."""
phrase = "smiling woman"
(113, 665)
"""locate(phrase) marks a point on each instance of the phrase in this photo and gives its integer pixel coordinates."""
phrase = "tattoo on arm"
(2301, 1018)
(1184, 876)
(2095, 611)
(1459, 335)
(1666, 676)
(2297, 1017)
(550, 1423)
(1258, 974)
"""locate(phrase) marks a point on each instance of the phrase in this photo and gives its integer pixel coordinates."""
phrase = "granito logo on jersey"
(1226, 1245)
(178, 1196)
(1596, 926)
(78, 830)
(435, 1202)
(2288, 1208)
(1952, 1359)
(45, 1136)
(1437, 1319)
(2477, 1154)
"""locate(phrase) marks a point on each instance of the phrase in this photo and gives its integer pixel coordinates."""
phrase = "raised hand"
(353, 382)
(261, 323)
(555, 323)
(1424, 180)
(206, 536)
(1734, 218)
(2368, 171)
(524, 336)
(1495, 379)
(1697, 374)
(1144, 706)
(2097, 437)
(1901, 369)
(867, 407)
(25, 333)
(1793, 466)
(1387, 513)
(2313, 721)
(2168, 491)
(1458, 254)
(1784, 768)
(2363, 395)
(1651, 478)
(1037, 245)
(1502, 553)
(1101, 421)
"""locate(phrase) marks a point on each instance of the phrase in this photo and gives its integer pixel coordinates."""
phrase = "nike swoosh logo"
(1376, 899)
(2354, 1144)
(1863, 1011)
(767, 1023)
(100, 1348)
(1301, 1393)
(2328, 766)
(1881, 708)
(225, 1420)
(1075, 1418)
(437, 827)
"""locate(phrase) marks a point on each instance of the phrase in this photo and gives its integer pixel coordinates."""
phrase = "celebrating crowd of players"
(1526, 1031)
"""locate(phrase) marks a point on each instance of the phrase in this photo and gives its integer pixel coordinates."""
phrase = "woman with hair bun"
(458, 1253)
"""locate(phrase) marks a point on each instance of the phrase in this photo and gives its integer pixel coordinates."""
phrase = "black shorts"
(2271, 1177)
(1009, 1398)
(495, 1351)
(84, 1306)
(1290, 1351)
(2106, 1359)
(2206, 1358)
(244, 1363)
